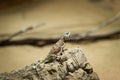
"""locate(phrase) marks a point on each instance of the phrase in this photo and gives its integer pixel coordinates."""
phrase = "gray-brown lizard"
(58, 47)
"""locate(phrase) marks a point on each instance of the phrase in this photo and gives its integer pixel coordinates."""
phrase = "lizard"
(58, 47)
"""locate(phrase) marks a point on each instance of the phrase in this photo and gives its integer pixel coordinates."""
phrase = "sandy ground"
(60, 16)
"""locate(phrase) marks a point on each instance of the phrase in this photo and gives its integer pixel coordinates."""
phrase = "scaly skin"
(57, 48)
(59, 45)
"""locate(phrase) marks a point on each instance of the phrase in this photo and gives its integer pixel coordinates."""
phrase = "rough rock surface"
(71, 64)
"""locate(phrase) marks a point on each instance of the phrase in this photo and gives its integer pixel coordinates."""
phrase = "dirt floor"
(60, 16)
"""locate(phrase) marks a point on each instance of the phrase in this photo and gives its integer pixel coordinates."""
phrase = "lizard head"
(66, 35)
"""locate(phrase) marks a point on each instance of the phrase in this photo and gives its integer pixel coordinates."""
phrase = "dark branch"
(87, 36)
(74, 38)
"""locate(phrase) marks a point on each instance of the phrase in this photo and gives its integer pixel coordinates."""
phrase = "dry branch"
(23, 31)
(71, 64)
(103, 24)
(87, 36)
(74, 38)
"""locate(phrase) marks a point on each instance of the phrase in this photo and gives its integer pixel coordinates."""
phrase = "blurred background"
(75, 16)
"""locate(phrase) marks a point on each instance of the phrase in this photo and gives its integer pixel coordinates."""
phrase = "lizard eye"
(67, 33)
